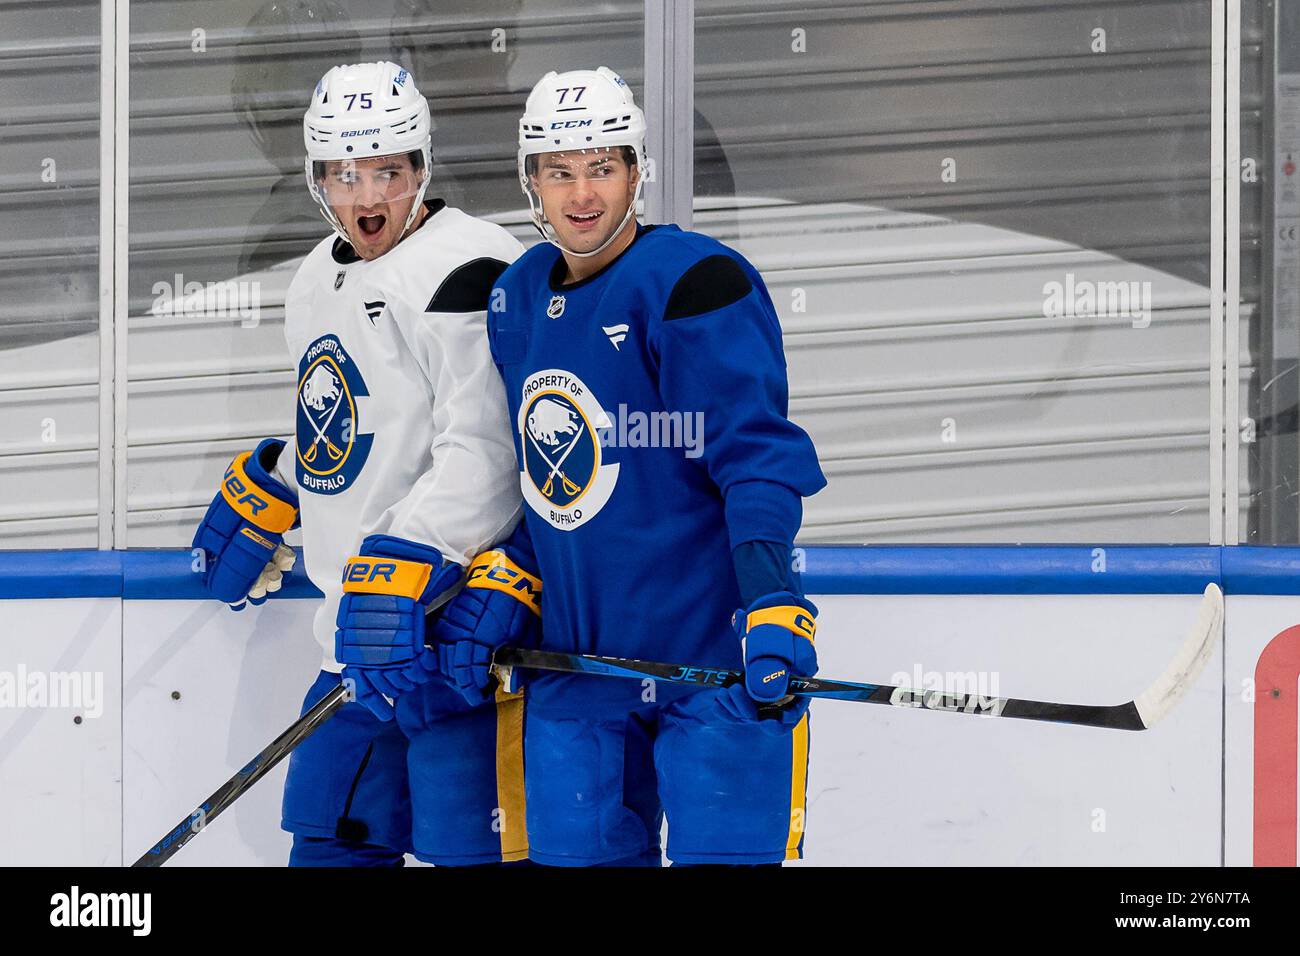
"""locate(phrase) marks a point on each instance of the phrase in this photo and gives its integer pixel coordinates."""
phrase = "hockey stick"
(1141, 713)
(232, 789)
(262, 764)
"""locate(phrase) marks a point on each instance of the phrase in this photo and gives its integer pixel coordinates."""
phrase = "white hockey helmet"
(361, 111)
(579, 110)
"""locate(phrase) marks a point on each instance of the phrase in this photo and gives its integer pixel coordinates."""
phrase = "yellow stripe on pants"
(798, 787)
(510, 776)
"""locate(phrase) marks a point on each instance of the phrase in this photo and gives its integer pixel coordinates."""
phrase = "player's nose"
(369, 194)
(582, 191)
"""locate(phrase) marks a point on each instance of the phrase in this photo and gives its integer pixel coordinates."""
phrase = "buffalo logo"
(563, 478)
(556, 308)
(331, 450)
(560, 442)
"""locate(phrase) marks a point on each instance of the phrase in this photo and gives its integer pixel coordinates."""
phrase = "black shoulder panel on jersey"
(710, 284)
(468, 287)
(343, 253)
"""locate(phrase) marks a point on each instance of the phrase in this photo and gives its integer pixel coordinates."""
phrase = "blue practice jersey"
(649, 406)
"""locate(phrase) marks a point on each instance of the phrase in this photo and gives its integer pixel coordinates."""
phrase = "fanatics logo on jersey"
(331, 450)
(374, 310)
(338, 279)
(616, 333)
(556, 308)
(563, 478)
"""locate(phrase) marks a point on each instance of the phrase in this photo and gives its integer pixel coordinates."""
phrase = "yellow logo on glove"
(372, 575)
(791, 617)
(254, 504)
(254, 536)
(494, 571)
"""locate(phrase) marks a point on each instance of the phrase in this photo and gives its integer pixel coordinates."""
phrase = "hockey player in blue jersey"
(646, 382)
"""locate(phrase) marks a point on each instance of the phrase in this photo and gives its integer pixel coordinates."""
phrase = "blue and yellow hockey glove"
(388, 589)
(777, 630)
(500, 604)
(241, 534)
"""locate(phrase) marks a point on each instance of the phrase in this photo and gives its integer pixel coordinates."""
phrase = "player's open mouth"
(583, 220)
(371, 225)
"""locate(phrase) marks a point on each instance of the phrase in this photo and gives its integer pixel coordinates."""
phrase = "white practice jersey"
(402, 426)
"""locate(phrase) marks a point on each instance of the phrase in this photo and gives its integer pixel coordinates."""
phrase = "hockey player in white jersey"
(401, 472)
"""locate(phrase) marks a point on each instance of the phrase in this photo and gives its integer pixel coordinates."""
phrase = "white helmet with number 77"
(359, 112)
(579, 110)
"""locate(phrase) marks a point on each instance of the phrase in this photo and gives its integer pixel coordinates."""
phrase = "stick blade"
(1158, 699)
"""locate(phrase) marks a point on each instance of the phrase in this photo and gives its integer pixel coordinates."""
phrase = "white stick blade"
(1169, 687)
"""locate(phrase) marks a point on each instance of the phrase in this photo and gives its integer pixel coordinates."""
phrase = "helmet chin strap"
(553, 240)
(342, 230)
(419, 200)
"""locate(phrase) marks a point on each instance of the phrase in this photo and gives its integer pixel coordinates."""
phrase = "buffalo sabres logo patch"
(556, 308)
(331, 450)
(563, 478)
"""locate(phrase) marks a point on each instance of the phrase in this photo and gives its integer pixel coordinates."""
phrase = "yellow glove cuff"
(253, 504)
(368, 574)
(791, 617)
(494, 571)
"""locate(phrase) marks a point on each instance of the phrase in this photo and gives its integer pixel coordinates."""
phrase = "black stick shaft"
(255, 770)
(1117, 717)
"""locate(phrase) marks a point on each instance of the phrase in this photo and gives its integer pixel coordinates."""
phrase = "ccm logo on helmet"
(571, 124)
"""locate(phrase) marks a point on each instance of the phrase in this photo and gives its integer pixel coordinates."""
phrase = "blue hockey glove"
(387, 590)
(241, 533)
(499, 605)
(778, 631)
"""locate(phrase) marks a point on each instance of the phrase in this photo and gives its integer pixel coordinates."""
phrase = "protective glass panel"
(49, 275)
(986, 228)
(1269, 386)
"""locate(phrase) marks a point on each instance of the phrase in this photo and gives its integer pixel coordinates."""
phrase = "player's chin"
(582, 240)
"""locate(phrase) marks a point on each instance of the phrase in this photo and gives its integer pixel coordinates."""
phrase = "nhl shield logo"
(556, 308)
(338, 279)
(331, 452)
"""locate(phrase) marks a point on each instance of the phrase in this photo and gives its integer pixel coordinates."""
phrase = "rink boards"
(176, 693)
